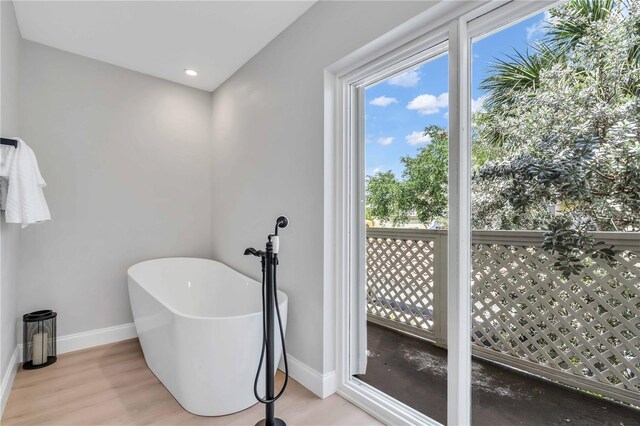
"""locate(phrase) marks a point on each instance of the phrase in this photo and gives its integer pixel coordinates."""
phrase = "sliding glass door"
(555, 279)
(406, 161)
(493, 228)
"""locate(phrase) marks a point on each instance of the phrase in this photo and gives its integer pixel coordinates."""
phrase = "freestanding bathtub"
(200, 326)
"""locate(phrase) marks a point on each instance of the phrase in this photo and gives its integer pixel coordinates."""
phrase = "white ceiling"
(161, 38)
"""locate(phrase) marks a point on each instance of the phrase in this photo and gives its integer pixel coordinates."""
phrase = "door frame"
(344, 231)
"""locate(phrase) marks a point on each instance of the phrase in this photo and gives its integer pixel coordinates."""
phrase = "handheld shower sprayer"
(281, 222)
(269, 262)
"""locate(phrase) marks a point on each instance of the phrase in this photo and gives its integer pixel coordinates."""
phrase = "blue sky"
(399, 108)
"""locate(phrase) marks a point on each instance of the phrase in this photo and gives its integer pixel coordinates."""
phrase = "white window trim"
(459, 236)
(344, 228)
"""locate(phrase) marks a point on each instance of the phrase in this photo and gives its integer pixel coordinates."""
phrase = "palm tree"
(567, 147)
(521, 70)
(569, 28)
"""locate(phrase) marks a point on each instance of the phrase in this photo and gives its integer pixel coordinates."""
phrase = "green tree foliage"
(571, 135)
(570, 132)
(423, 188)
(557, 145)
(384, 194)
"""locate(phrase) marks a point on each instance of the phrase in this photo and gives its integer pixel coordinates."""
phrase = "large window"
(406, 145)
(491, 219)
(555, 119)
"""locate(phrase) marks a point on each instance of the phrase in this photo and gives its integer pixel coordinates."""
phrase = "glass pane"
(555, 291)
(406, 167)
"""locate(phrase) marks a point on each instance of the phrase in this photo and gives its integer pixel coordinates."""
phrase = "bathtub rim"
(283, 302)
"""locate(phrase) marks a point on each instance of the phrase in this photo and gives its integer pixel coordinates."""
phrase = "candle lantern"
(39, 339)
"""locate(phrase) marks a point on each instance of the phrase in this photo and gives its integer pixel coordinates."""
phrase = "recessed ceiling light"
(191, 73)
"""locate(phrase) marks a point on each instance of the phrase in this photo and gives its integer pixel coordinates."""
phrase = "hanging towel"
(22, 196)
(6, 157)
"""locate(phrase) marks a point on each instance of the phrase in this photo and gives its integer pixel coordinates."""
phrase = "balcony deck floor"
(414, 372)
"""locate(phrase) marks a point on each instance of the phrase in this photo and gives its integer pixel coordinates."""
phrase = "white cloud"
(418, 138)
(406, 79)
(385, 141)
(478, 104)
(383, 101)
(538, 29)
(429, 104)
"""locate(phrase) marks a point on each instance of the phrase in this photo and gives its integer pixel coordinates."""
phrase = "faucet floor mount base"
(277, 422)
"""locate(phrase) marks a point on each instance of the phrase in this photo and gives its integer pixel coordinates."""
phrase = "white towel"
(6, 156)
(24, 202)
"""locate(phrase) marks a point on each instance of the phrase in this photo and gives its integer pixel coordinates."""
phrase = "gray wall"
(268, 154)
(140, 168)
(9, 241)
(127, 161)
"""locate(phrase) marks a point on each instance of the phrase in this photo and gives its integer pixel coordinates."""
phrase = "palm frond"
(519, 71)
(569, 27)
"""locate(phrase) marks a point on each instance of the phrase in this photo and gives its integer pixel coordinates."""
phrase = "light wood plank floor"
(111, 385)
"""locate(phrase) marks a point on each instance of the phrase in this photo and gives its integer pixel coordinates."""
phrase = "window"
(484, 274)
(406, 145)
(552, 276)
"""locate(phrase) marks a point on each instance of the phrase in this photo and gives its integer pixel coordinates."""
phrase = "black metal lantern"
(39, 339)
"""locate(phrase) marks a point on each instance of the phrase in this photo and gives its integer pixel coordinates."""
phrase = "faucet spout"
(254, 252)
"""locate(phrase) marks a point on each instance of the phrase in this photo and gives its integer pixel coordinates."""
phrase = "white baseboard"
(7, 380)
(320, 384)
(101, 336)
(91, 338)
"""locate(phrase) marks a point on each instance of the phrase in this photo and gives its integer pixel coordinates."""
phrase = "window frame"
(453, 24)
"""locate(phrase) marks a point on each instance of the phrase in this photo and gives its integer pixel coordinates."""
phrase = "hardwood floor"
(111, 385)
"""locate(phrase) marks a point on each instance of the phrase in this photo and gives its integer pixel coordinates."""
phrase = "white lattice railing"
(583, 331)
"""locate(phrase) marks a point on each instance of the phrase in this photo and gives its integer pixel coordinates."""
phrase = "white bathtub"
(200, 326)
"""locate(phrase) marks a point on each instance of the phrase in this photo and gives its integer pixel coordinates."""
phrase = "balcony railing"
(583, 331)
